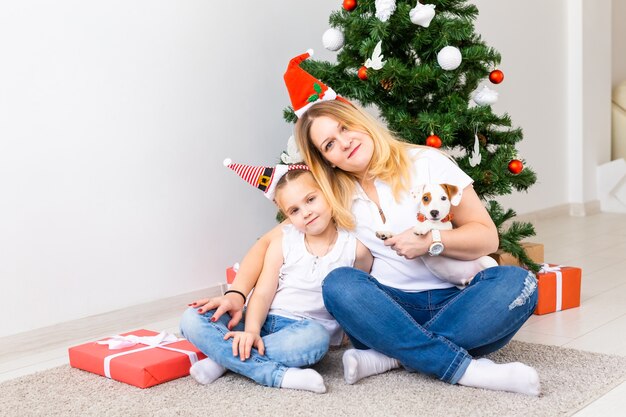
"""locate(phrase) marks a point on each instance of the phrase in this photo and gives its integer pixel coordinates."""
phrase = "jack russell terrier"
(435, 201)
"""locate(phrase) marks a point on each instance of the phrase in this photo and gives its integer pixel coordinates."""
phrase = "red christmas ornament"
(433, 140)
(516, 166)
(349, 5)
(496, 76)
(362, 73)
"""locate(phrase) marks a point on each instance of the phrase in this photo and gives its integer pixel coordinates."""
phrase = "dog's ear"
(454, 193)
(417, 192)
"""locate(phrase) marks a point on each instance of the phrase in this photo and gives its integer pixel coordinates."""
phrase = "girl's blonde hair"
(390, 161)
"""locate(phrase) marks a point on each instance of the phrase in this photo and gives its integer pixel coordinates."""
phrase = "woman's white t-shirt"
(299, 293)
(429, 167)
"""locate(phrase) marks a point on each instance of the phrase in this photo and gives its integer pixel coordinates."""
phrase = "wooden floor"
(596, 243)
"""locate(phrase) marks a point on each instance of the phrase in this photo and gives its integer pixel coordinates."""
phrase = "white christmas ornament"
(384, 9)
(449, 58)
(475, 157)
(376, 61)
(292, 156)
(332, 39)
(422, 14)
(485, 97)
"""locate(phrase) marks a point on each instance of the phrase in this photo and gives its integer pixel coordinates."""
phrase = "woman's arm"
(259, 304)
(364, 258)
(247, 275)
(473, 236)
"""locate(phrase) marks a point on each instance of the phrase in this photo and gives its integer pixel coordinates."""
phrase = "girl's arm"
(473, 236)
(364, 258)
(259, 304)
(249, 270)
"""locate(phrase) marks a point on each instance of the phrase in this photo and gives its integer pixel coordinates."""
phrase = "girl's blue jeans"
(435, 332)
(288, 343)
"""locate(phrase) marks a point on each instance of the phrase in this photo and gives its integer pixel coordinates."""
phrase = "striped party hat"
(261, 177)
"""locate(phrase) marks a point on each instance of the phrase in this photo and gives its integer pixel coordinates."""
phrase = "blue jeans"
(435, 332)
(288, 343)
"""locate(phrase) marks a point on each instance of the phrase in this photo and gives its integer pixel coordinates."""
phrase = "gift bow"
(121, 342)
(158, 341)
(545, 268)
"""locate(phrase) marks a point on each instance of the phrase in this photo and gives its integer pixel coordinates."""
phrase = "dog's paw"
(420, 229)
(384, 235)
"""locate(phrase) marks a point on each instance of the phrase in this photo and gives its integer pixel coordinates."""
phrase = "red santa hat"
(261, 177)
(304, 89)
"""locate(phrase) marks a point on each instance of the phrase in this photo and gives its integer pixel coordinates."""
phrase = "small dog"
(436, 200)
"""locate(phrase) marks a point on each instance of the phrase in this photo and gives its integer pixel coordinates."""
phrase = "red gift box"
(559, 288)
(151, 361)
(231, 273)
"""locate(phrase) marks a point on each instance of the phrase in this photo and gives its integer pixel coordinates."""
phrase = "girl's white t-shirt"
(429, 167)
(299, 293)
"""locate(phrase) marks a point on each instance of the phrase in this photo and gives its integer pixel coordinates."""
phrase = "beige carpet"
(570, 380)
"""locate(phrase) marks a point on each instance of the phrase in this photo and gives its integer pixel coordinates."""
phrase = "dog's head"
(435, 199)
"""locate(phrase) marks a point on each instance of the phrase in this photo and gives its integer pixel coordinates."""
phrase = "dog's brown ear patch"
(450, 190)
(426, 198)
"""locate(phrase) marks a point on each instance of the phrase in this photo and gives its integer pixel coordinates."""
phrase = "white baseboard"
(102, 325)
(572, 209)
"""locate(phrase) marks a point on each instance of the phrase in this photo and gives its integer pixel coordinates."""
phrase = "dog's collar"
(422, 218)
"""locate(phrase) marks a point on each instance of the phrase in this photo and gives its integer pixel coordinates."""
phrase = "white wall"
(534, 90)
(115, 118)
(619, 41)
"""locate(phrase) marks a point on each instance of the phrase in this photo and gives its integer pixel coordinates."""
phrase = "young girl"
(286, 323)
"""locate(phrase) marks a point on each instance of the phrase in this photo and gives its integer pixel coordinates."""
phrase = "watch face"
(435, 249)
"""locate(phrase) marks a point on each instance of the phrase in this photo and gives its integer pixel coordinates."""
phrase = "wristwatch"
(436, 247)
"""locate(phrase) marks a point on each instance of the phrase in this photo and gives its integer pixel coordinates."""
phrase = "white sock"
(512, 377)
(206, 371)
(358, 364)
(304, 379)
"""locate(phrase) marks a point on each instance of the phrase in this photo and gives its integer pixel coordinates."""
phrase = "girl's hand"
(243, 343)
(230, 303)
(409, 245)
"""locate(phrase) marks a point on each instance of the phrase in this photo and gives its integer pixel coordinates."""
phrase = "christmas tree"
(432, 79)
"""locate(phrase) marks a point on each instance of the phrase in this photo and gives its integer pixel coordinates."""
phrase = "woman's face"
(348, 150)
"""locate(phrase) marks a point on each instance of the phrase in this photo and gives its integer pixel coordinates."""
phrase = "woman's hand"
(409, 245)
(231, 303)
(243, 343)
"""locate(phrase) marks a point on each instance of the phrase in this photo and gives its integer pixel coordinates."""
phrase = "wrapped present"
(231, 273)
(533, 250)
(142, 357)
(558, 287)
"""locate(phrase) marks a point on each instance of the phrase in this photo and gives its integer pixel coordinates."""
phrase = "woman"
(401, 309)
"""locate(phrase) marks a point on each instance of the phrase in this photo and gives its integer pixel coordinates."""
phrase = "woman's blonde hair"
(390, 161)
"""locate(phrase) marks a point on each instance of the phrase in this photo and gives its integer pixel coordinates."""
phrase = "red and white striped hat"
(261, 177)
(304, 89)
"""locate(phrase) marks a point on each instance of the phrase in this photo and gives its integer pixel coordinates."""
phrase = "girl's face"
(304, 204)
(348, 150)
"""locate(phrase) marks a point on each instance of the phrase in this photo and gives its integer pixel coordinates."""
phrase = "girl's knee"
(318, 335)
(191, 320)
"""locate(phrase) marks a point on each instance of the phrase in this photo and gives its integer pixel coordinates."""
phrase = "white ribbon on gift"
(559, 282)
(157, 341)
